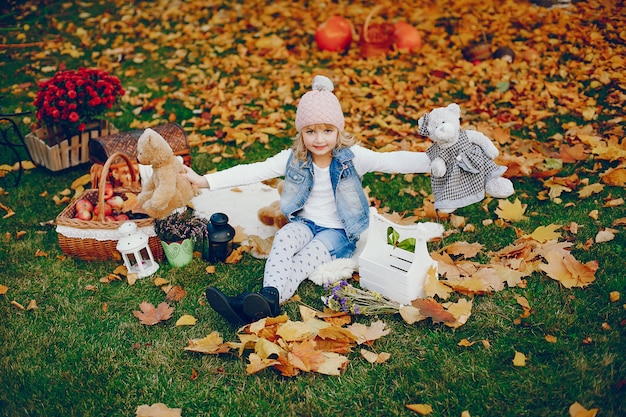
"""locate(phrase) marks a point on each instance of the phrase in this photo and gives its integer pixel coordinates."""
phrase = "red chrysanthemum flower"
(72, 98)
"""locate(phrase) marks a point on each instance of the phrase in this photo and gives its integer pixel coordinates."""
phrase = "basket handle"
(371, 14)
(105, 173)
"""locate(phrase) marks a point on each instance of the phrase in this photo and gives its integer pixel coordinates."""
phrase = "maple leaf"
(149, 315)
(365, 334)
(614, 176)
(461, 311)
(431, 308)
(333, 364)
(307, 312)
(159, 282)
(511, 211)
(434, 287)
(470, 285)
(305, 356)
(81, 181)
(604, 236)
(266, 349)
(571, 154)
(157, 410)
(512, 277)
(292, 331)
(372, 357)
(211, 344)
(259, 247)
(446, 266)
(186, 320)
(519, 359)
(337, 334)
(422, 409)
(256, 363)
(175, 293)
(3, 289)
(590, 189)
(411, 314)
(468, 250)
(568, 271)
(544, 233)
(577, 410)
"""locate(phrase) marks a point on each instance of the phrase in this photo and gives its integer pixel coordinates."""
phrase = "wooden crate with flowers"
(88, 228)
(70, 110)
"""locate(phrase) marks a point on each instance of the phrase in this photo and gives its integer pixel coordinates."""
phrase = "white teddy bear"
(462, 166)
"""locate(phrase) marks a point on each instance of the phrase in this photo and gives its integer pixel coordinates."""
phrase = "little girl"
(322, 197)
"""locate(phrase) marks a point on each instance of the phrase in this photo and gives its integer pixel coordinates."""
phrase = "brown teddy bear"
(164, 191)
(271, 215)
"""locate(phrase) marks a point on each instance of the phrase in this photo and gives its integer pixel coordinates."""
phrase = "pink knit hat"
(320, 106)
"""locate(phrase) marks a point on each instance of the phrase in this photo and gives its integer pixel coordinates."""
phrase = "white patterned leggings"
(294, 256)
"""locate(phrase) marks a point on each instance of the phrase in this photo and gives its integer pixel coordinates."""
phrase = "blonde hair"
(344, 140)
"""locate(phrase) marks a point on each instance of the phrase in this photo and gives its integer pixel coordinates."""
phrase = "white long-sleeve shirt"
(320, 206)
(365, 160)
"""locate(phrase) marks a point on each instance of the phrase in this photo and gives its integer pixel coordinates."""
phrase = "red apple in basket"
(83, 214)
(109, 218)
(107, 210)
(335, 34)
(122, 217)
(84, 204)
(108, 190)
(116, 202)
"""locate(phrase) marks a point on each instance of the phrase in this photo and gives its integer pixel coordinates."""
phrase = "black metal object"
(12, 141)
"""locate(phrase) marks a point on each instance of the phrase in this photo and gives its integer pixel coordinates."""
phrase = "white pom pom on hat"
(322, 83)
(320, 106)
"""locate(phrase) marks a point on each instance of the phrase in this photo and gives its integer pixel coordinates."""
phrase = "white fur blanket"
(241, 205)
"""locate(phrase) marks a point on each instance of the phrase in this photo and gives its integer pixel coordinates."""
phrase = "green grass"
(71, 356)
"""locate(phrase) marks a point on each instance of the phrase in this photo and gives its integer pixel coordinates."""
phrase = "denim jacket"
(352, 205)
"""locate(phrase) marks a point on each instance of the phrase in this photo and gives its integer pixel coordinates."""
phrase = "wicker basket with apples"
(88, 227)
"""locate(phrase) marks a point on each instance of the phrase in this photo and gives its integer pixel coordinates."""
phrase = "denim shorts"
(335, 240)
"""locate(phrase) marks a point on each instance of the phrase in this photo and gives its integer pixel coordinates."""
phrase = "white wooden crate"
(393, 272)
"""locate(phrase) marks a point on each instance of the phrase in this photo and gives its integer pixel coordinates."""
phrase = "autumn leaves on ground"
(527, 315)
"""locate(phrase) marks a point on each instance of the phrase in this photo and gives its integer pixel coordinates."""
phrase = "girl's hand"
(194, 178)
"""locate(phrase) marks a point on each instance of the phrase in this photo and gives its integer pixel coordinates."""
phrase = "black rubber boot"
(262, 304)
(228, 307)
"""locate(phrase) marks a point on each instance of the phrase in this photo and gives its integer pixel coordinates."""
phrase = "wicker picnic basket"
(101, 148)
(96, 239)
(376, 39)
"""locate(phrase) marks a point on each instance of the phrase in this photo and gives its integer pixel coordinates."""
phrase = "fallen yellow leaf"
(372, 357)
(577, 410)
(604, 236)
(543, 234)
(519, 359)
(212, 344)
(511, 211)
(157, 410)
(422, 409)
(186, 320)
(159, 282)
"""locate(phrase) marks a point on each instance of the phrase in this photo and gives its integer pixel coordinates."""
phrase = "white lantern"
(133, 245)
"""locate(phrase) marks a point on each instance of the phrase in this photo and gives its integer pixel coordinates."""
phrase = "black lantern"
(221, 236)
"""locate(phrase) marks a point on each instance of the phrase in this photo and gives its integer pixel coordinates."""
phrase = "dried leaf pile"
(290, 347)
